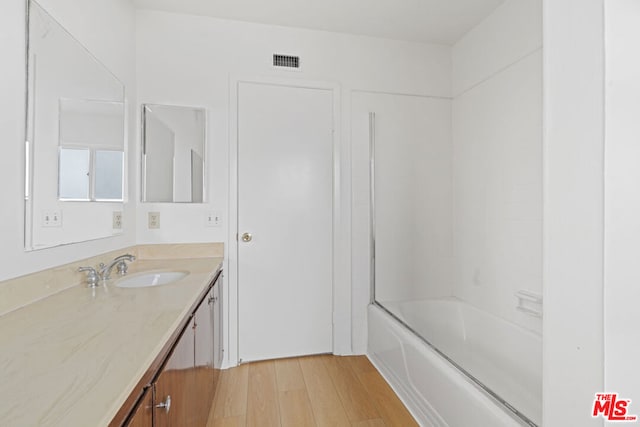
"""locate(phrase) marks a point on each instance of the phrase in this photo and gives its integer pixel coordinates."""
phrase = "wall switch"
(213, 219)
(154, 219)
(117, 220)
(52, 219)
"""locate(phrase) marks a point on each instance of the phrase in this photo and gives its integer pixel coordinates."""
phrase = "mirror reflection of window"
(97, 127)
(90, 122)
(74, 175)
(108, 175)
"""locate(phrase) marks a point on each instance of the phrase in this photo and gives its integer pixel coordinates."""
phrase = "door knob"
(246, 237)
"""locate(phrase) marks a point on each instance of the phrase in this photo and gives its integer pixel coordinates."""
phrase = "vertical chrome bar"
(143, 153)
(372, 205)
(29, 111)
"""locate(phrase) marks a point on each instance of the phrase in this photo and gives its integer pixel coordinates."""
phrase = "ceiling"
(437, 21)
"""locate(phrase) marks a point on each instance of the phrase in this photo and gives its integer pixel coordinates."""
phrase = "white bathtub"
(504, 357)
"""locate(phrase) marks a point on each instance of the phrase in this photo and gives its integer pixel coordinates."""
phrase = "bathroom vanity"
(179, 387)
(113, 356)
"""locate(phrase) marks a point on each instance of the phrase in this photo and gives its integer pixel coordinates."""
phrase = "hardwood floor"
(307, 391)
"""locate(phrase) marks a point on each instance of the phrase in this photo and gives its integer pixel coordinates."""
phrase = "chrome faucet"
(105, 270)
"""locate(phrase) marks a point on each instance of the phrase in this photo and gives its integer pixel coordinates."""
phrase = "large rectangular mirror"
(173, 148)
(75, 141)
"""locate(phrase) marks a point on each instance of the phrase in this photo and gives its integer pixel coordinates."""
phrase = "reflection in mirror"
(75, 114)
(172, 154)
(197, 177)
(74, 173)
(95, 125)
(109, 168)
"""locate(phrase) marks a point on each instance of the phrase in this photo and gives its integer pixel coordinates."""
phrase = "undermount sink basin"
(152, 278)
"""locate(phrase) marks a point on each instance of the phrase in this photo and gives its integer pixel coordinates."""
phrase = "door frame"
(341, 340)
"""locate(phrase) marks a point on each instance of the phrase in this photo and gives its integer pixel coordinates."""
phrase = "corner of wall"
(573, 361)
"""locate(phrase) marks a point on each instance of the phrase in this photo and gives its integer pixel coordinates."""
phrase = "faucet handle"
(122, 268)
(92, 276)
(122, 265)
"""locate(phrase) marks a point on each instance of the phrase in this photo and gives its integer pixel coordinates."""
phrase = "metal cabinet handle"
(166, 404)
(246, 237)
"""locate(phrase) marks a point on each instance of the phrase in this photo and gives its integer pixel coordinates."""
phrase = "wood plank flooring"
(314, 391)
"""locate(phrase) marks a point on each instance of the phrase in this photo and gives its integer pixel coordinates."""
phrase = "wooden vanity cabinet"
(143, 413)
(205, 369)
(175, 392)
(183, 390)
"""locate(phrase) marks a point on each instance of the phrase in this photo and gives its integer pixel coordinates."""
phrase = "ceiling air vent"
(286, 61)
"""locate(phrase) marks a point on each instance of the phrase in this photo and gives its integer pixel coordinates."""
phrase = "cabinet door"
(143, 412)
(204, 358)
(176, 384)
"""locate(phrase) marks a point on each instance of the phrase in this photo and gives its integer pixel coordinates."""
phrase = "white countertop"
(72, 359)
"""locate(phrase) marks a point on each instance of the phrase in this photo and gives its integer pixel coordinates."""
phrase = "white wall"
(622, 201)
(512, 32)
(190, 60)
(107, 28)
(497, 161)
(573, 210)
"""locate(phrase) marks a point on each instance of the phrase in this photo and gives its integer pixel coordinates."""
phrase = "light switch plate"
(213, 219)
(154, 219)
(52, 218)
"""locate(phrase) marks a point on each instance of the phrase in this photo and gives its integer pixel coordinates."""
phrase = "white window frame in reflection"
(70, 175)
(91, 174)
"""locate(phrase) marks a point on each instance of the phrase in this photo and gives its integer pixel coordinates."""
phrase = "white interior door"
(285, 204)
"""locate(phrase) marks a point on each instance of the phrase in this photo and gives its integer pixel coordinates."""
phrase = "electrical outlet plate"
(117, 220)
(154, 219)
(213, 219)
(52, 218)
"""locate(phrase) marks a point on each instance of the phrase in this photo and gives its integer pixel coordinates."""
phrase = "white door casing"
(285, 201)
